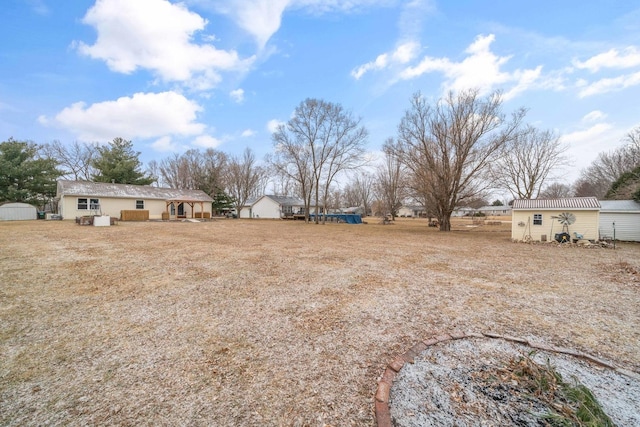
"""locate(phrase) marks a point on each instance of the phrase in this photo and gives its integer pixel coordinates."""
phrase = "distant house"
(463, 211)
(274, 207)
(495, 210)
(17, 212)
(414, 211)
(80, 198)
(539, 219)
(620, 218)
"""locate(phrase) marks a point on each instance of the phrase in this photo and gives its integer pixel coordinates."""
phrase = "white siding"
(586, 224)
(265, 207)
(17, 212)
(627, 225)
(68, 207)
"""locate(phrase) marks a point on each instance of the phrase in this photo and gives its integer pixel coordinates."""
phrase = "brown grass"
(240, 322)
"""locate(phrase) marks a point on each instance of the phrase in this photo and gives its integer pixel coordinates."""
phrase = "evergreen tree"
(221, 202)
(117, 162)
(24, 175)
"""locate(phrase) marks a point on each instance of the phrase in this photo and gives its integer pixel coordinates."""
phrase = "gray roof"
(286, 201)
(620, 205)
(128, 191)
(576, 203)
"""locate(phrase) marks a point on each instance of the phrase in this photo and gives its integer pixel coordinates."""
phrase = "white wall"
(265, 208)
(627, 226)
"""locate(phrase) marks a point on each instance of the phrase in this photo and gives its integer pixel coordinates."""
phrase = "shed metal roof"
(129, 191)
(576, 203)
(620, 206)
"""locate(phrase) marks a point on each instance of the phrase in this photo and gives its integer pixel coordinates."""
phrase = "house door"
(181, 209)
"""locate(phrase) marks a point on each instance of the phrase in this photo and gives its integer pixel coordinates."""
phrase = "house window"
(83, 204)
(537, 219)
(287, 209)
(139, 204)
(94, 204)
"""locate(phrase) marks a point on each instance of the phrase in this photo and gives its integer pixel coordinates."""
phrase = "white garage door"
(627, 226)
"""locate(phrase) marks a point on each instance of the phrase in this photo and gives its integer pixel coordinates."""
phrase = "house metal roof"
(128, 191)
(580, 203)
(619, 206)
(286, 201)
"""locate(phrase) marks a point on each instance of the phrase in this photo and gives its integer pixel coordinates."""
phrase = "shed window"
(537, 219)
(139, 204)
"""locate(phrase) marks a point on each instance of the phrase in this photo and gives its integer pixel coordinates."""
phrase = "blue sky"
(221, 73)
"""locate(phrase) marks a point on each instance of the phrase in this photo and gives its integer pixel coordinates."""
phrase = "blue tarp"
(348, 218)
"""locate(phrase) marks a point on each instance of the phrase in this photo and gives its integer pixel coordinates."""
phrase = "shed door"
(627, 226)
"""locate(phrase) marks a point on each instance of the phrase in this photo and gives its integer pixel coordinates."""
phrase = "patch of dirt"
(249, 322)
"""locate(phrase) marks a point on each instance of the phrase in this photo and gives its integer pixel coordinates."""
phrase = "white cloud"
(165, 144)
(39, 7)
(610, 85)
(247, 133)
(480, 69)
(272, 125)
(156, 35)
(594, 116)
(207, 141)
(237, 95)
(585, 144)
(629, 58)
(262, 18)
(403, 54)
(144, 115)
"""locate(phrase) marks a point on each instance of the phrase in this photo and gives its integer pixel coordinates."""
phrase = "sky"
(172, 76)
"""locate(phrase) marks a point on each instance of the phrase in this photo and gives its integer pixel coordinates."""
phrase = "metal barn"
(17, 212)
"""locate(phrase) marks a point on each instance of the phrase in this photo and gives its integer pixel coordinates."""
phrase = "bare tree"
(390, 184)
(75, 159)
(195, 170)
(556, 190)
(360, 191)
(320, 141)
(528, 161)
(597, 178)
(244, 179)
(291, 161)
(449, 146)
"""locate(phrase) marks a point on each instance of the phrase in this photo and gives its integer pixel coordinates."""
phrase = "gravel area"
(275, 323)
(462, 383)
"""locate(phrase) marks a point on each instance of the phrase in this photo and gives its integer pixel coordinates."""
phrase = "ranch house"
(542, 219)
(82, 198)
(274, 207)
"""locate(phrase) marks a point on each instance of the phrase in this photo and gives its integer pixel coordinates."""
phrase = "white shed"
(17, 212)
(621, 215)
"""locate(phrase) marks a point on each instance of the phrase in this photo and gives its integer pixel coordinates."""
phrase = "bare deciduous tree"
(450, 144)
(556, 190)
(597, 178)
(320, 141)
(528, 161)
(195, 170)
(244, 179)
(75, 159)
(390, 185)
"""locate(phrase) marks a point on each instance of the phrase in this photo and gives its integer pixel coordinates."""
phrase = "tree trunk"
(445, 223)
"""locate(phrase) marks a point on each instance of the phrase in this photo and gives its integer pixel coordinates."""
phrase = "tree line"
(450, 152)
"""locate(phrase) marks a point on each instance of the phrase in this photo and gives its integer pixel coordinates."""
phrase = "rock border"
(382, 410)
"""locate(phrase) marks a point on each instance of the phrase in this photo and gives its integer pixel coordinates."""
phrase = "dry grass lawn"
(240, 322)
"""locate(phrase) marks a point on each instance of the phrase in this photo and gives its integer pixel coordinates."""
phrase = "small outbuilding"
(543, 219)
(620, 219)
(18, 212)
(274, 207)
